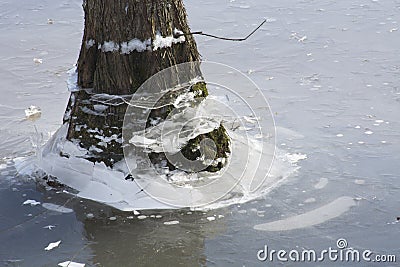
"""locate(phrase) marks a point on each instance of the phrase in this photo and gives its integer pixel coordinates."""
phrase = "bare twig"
(222, 38)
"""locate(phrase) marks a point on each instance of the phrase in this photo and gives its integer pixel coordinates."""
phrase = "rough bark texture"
(115, 73)
(124, 20)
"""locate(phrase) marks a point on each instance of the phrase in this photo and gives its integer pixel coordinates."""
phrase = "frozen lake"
(330, 71)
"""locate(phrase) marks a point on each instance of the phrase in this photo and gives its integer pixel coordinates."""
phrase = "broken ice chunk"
(52, 245)
(71, 264)
(302, 39)
(171, 222)
(33, 111)
(57, 208)
(38, 60)
(31, 202)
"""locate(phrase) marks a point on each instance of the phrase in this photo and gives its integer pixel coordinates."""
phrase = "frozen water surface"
(330, 70)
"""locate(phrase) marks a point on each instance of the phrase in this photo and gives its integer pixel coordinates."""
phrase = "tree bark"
(121, 21)
(119, 52)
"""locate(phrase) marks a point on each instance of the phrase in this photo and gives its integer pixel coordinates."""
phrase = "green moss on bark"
(221, 141)
(200, 89)
(191, 150)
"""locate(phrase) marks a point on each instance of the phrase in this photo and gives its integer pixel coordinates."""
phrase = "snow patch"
(163, 42)
(138, 45)
(95, 149)
(90, 43)
(135, 44)
(90, 112)
(100, 108)
(108, 139)
(109, 46)
(72, 80)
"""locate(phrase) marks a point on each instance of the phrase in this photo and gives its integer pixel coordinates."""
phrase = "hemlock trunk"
(126, 42)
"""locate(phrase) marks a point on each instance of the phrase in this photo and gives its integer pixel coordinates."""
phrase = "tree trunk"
(126, 42)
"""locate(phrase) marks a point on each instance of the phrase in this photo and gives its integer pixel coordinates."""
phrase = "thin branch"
(222, 38)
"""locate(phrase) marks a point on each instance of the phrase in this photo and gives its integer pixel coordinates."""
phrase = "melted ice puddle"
(311, 218)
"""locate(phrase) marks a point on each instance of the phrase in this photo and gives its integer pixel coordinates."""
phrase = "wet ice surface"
(335, 98)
